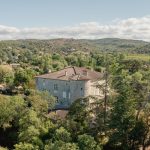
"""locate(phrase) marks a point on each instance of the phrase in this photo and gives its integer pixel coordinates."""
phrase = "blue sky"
(23, 18)
(55, 13)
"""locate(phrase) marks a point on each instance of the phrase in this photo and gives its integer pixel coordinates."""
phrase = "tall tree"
(123, 114)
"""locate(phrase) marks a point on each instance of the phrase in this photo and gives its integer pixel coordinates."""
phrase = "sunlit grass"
(144, 57)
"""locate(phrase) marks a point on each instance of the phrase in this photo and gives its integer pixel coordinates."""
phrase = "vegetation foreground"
(120, 121)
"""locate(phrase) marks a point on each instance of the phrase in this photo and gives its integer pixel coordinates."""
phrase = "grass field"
(139, 56)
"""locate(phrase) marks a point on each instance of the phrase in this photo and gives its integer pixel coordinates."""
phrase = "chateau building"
(70, 83)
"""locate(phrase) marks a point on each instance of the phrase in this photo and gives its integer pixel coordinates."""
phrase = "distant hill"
(115, 44)
(69, 45)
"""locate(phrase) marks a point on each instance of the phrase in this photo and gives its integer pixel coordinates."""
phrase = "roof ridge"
(74, 70)
(59, 70)
(61, 76)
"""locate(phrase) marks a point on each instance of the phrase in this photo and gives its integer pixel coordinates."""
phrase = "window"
(69, 88)
(44, 83)
(69, 95)
(85, 73)
(55, 87)
(64, 94)
(37, 80)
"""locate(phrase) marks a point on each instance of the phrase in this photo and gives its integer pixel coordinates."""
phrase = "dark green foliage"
(60, 145)
(120, 120)
(87, 142)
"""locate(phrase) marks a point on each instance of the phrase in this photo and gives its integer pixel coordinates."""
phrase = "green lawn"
(138, 56)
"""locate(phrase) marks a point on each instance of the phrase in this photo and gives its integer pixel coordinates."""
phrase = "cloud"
(131, 28)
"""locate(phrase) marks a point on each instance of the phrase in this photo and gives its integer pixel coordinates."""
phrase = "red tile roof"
(73, 73)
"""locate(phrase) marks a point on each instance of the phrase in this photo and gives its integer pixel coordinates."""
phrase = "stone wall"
(67, 91)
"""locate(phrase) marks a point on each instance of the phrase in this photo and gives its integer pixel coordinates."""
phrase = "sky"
(80, 19)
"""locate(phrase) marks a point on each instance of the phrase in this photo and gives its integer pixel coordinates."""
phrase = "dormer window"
(85, 73)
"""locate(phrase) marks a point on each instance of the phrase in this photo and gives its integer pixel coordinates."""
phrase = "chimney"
(66, 73)
(79, 75)
(92, 69)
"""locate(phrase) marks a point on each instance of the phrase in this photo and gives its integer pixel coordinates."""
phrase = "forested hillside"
(14, 48)
(119, 121)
